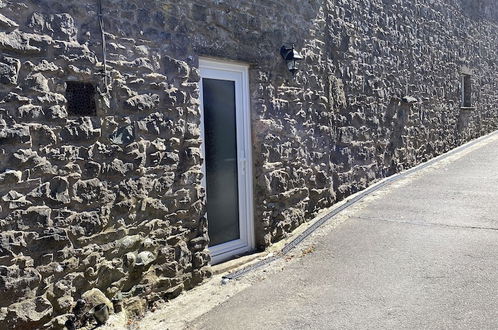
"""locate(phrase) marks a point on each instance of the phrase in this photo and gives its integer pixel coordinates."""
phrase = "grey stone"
(28, 158)
(30, 112)
(42, 135)
(114, 201)
(81, 129)
(46, 66)
(58, 190)
(94, 298)
(36, 218)
(15, 200)
(143, 102)
(37, 82)
(123, 135)
(7, 23)
(10, 177)
(9, 69)
(16, 42)
(17, 283)
(31, 312)
(56, 112)
(145, 258)
(58, 26)
(409, 99)
(17, 135)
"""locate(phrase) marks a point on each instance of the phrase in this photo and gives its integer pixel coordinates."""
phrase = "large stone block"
(9, 70)
(57, 26)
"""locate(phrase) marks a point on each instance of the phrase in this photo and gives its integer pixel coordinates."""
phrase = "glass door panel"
(220, 138)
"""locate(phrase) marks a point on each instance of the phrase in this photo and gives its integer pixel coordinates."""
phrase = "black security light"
(291, 56)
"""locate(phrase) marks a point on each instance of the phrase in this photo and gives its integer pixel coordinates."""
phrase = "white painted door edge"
(239, 73)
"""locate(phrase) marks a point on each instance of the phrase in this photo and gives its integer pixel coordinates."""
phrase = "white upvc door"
(226, 136)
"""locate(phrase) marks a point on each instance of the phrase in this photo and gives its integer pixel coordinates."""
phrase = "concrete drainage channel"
(292, 244)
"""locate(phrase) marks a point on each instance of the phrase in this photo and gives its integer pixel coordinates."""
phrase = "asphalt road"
(423, 254)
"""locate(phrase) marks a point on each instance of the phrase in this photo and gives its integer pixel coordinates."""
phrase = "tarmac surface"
(421, 253)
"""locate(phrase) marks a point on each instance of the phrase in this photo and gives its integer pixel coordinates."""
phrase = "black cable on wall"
(104, 48)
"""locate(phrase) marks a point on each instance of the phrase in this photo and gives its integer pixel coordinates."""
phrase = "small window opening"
(467, 91)
(80, 98)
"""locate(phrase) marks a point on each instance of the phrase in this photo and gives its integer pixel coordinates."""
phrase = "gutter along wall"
(112, 203)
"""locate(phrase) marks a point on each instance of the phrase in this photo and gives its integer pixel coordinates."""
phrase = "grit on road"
(418, 254)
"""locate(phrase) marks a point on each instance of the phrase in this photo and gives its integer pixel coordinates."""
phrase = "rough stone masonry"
(105, 210)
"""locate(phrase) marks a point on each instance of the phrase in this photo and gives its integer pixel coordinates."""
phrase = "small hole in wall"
(80, 98)
(467, 91)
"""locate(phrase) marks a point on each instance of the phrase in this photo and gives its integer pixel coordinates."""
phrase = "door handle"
(243, 164)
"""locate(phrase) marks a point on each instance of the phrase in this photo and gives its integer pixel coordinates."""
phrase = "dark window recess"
(467, 91)
(80, 98)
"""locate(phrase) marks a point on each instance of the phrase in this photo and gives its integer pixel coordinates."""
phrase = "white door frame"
(239, 73)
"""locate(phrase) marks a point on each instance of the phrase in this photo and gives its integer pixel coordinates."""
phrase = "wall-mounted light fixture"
(291, 56)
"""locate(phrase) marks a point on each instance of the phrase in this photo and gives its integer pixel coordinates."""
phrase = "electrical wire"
(104, 48)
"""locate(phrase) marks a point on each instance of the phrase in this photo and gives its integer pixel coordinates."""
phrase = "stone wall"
(487, 9)
(110, 202)
(110, 206)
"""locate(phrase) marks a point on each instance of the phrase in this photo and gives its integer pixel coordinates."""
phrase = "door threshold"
(238, 261)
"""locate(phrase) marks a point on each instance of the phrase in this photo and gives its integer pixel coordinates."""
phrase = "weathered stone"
(129, 260)
(88, 191)
(115, 202)
(16, 42)
(42, 135)
(17, 283)
(101, 313)
(81, 129)
(144, 259)
(37, 82)
(49, 242)
(29, 112)
(409, 99)
(143, 102)
(56, 112)
(31, 312)
(15, 98)
(134, 306)
(10, 177)
(45, 66)
(64, 304)
(59, 323)
(201, 259)
(156, 124)
(19, 134)
(58, 26)
(7, 23)
(9, 69)
(15, 200)
(56, 190)
(117, 168)
(36, 218)
(92, 169)
(51, 98)
(87, 223)
(124, 135)
(95, 297)
(28, 158)
(175, 67)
